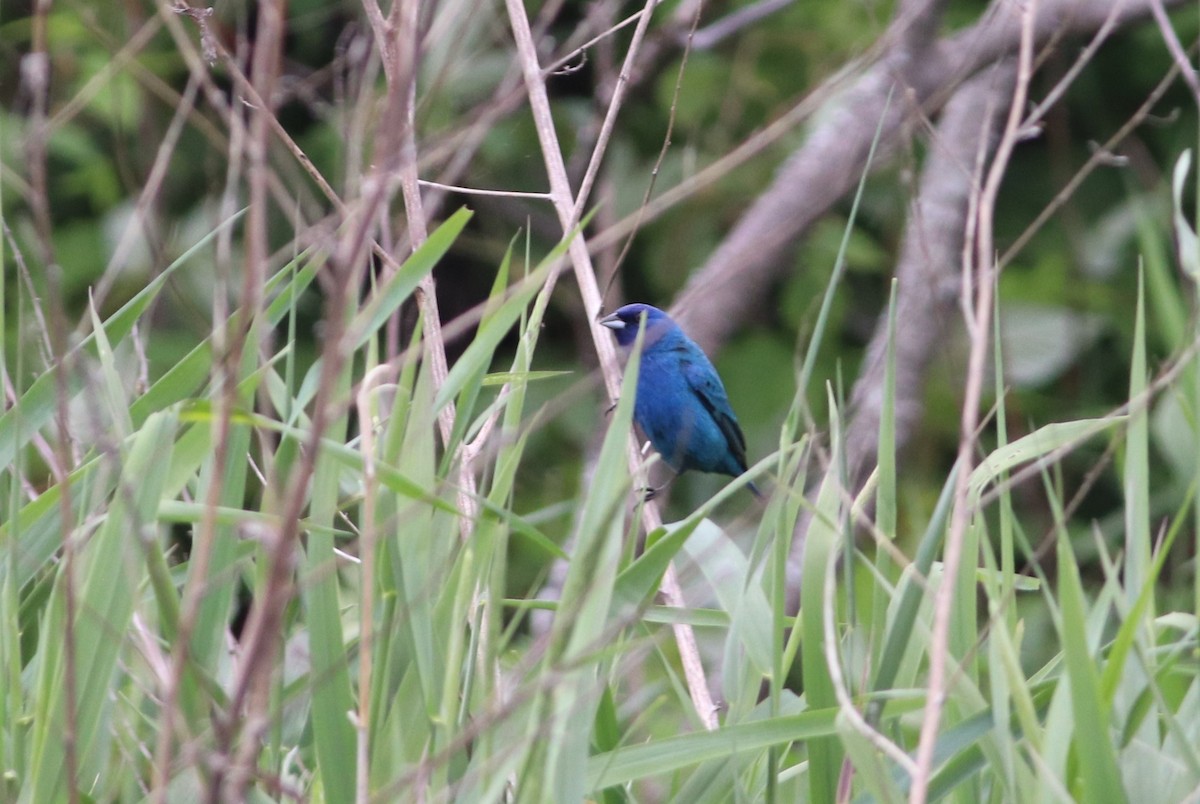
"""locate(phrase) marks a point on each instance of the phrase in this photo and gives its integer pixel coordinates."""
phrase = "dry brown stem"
(567, 205)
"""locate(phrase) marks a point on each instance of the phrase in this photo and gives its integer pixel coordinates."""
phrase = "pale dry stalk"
(566, 204)
(979, 329)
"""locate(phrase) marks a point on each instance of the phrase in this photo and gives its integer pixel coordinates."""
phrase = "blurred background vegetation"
(118, 75)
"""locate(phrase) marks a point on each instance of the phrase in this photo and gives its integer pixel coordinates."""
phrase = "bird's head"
(625, 321)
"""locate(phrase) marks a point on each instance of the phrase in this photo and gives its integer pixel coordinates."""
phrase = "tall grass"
(406, 672)
(260, 576)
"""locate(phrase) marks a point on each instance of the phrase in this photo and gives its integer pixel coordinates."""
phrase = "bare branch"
(1176, 49)
(734, 282)
(565, 205)
(712, 35)
(980, 334)
(927, 270)
(451, 188)
(265, 68)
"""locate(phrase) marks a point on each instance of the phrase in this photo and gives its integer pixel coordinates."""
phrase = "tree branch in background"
(929, 266)
(928, 275)
(979, 328)
(713, 34)
(928, 269)
(733, 284)
(928, 283)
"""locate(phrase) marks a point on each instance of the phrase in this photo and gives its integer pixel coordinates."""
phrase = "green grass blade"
(1098, 774)
(662, 757)
(109, 582)
(37, 404)
(382, 304)
(824, 538)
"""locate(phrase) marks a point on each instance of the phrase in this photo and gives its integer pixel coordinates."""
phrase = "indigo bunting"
(681, 404)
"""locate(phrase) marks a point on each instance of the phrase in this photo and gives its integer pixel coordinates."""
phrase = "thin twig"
(479, 191)
(119, 61)
(1176, 49)
(662, 152)
(138, 225)
(928, 266)
(265, 71)
(225, 383)
(833, 661)
(64, 463)
(985, 263)
(366, 541)
(1052, 97)
(712, 35)
(565, 205)
(556, 66)
(35, 77)
(733, 284)
(610, 117)
(1100, 156)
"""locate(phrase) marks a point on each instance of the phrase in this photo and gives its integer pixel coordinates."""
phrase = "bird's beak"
(612, 322)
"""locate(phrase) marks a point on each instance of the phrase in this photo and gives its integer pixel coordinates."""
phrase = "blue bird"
(681, 404)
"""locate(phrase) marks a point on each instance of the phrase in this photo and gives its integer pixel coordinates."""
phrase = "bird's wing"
(706, 385)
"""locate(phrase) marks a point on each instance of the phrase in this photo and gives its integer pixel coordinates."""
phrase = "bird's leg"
(650, 492)
(608, 410)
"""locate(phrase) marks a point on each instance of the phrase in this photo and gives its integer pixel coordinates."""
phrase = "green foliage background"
(598, 707)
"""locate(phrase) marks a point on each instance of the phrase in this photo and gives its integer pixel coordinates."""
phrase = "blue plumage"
(681, 404)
